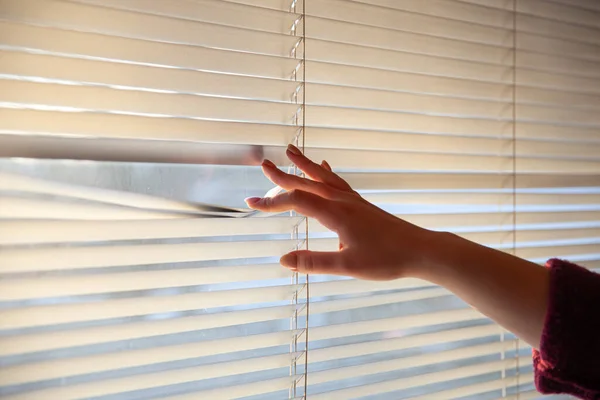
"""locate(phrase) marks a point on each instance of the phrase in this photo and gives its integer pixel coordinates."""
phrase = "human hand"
(374, 244)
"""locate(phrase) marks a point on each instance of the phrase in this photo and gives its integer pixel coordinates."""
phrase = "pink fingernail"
(268, 164)
(252, 200)
(294, 150)
(289, 261)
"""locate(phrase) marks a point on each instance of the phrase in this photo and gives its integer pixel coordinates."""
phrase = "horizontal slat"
(47, 315)
(246, 389)
(188, 152)
(550, 80)
(143, 51)
(281, 5)
(50, 146)
(559, 12)
(528, 395)
(256, 42)
(472, 221)
(85, 71)
(363, 139)
(391, 39)
(362, 56)
(526, 237)
(410, 21)
(23, 260)
(147, 77)
(27, 184)
(45, 341)
(386, 160)
(501, 4)
(402, 343)
(135, 127)
(211, 11)
(119, 308)
(450, 144)
(451, 9)
(555, 46)
(340, 287)
(93, 124)
(105, 362)
(94, 45)
(553, 28)
(40, 287)
(123, 359)
(558, 98)
(584, 4)
(484, 198)
(479, 388)
(408, 181)
(431, 181)
(42, 231)
(387, 324)
(342, 96)
(146, 26)
(24, 208)
(78, 124)
(412, 80)
(420, 380)
(88, 98)
(558, 115)
(574, 253)
(163, 378)
(361, 370)
(556, 132)
(101, 99)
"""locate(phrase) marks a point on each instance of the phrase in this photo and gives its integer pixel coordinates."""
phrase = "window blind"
(477, 117)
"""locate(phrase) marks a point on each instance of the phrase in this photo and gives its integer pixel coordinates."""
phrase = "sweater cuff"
(568, 360)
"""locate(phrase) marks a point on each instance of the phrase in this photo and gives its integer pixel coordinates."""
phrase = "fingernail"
(326, 165)
(294, 150)
(252, 200)
(268, 164)
(290, 261)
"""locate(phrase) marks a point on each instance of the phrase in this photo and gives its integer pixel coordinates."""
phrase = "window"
(475, 116)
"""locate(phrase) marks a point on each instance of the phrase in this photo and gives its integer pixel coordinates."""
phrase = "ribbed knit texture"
(569, 357)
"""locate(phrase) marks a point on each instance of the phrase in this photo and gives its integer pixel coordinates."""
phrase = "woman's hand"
(374, 245)
(378, 246)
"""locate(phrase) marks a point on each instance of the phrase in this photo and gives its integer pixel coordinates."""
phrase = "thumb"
(314, 262)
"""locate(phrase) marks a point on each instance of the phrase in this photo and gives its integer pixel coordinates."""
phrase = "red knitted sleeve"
(568, 360)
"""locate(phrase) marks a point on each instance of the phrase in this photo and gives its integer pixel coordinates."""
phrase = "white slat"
(91, 18)
(164, 378)
(420, 380)
(138, 330)
(90, 44)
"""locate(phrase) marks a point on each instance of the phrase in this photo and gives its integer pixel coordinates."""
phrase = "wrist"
(437, 252)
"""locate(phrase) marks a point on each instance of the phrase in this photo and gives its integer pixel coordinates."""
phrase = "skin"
(375, 245)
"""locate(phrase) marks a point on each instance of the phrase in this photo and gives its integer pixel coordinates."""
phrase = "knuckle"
(268, 201)
(296, 196)
(331, 192)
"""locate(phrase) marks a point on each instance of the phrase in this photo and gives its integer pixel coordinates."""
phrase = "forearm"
(511, 291)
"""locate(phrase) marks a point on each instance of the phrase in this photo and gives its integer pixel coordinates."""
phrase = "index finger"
(305, 203)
